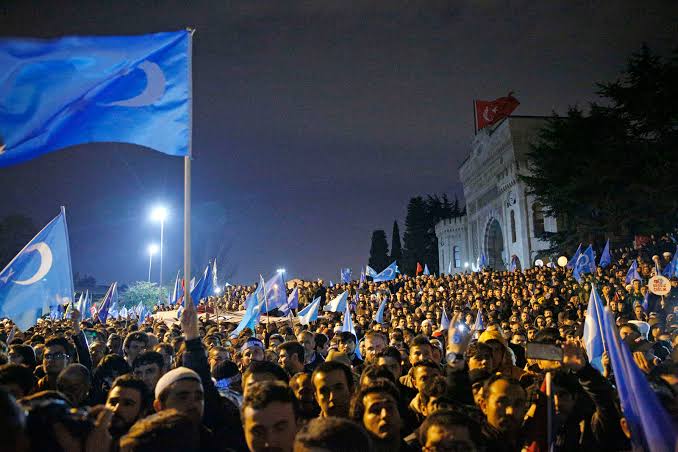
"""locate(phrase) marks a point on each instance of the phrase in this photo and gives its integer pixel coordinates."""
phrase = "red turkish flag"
(491, 112)
(419, 268)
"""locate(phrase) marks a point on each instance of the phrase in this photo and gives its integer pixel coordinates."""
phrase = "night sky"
(315, 121)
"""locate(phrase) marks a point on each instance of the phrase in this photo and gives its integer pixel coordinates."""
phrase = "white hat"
(174, 375)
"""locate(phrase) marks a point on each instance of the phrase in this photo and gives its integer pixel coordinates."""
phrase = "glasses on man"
(55, 356)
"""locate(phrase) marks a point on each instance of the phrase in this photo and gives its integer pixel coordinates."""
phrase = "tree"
(147, 293)
(15, 232)
(378, 251)
(416, 236)
(611, 173)
(396, 248)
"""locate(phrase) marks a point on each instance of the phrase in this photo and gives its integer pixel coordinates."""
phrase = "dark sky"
(314, 121)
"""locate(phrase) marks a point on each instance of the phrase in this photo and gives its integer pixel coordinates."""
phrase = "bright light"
(465, 264)
(217, 290)
(159, 213)
(153, 248)
(281, 270)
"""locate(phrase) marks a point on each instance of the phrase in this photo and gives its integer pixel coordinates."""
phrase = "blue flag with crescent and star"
(388, 274)
(63, 92)
(345, 275)
(38, 277)
(573, 261)
(586, 263)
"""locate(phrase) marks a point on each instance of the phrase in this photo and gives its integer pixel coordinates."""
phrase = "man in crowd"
(129, 400)
(148, 367)
(333, 384)
(269, 416)
(291, 357)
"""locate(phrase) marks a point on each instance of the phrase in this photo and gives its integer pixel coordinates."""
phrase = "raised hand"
(189, 319)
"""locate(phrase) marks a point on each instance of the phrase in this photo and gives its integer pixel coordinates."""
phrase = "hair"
(379, 386)
(346, 336)
(333, 434)
(136, 336)
(261, 367)
(164, 346)
(477, 347)
(110, 364)
(17, 374)
(374, 334)
(149, 358)
(436, 388)
(445, 418)
(131, 382)
(60, 341)
(293, 348)
(331, 366)
(26, 352)
(497, 377)
(373, 371)
(159, 432)
(548, 336)
(320, 340)
(390, 352)
(419, 341)
(262, 394)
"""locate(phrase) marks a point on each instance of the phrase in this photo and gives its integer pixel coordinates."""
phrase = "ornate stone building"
(501, 219)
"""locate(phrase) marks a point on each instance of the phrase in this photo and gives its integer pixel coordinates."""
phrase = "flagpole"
(187, 174)
(268, 315)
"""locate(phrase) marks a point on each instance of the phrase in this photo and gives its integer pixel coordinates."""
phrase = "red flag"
(491, 112)
(419, 268)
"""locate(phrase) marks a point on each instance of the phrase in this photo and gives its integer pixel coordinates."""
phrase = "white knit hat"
(174, 375)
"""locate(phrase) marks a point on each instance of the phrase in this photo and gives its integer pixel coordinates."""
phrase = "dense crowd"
(406, 383)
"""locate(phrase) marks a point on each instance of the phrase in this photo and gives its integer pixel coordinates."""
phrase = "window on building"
(513, 226)
(538, 219)
(457, 257)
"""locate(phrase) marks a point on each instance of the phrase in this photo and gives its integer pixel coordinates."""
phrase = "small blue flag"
(444, 321)
(571, 262)
(605, 257)
(479, 325)
(345, 275)
(123, 313)
(633, 273)
(513, 265)
(362, 277)
(483, 261)
(586, 263)
(39, 276)
(379, 318)
(250, 319)
(646, 301)
(276, 295)
(310, 313)
(593, 335)
(671, 270)
(449, 268)
(62, 92)
(110, 298)
(388, 274)
(426, 271)
(178, 291)
(369, 271)
(337, 304)
(650, 425)
(348, 322)
(291, 303)
(204, 287)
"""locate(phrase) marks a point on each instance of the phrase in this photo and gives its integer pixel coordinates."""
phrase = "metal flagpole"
(187, 176)
(268, 316)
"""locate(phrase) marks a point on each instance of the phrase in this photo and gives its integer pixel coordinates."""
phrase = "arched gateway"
(494, 245)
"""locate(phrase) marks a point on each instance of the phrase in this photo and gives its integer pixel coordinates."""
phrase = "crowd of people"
(406, 383)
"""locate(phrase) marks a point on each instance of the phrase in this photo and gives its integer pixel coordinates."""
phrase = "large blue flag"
(337, 304)
(573, 261)
(369, 271)
(605, 257)
(250, 319)
(276, 295)
(62, 92)
(633, 273)
(345, 275)
(426, 270)
(109, 299)
(593, 336)
(379, 318)
(204, 287)
(388, 274)
(310, 313)
(586, 263)
(39, 276)
(650, 425)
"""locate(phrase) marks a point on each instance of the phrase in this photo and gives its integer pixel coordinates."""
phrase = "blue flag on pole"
(449, 268)
(444, 321)
(586, 263)
(204, 287)
(479, 324)
(633, 273)
(250, 319)
(388, 274)
(605, 257)
(345, 275)
(337, 304)
(379, 318)
(276, 295)
(291, 303)
(671, 269)
(650, 425)
(109, 299)
(39, 276)
(593, 335)
(123, 313)
(573, 261)
(426, 271)
(62, 92)
(348, 323)
(483, 261)
(369, 271)
(310, 313)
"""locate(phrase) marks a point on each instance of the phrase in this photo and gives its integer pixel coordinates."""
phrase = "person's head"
(503, 403)
(168, 431)
(332, 434)
(57, 355)
(373, 372)
(480, 357)
(110, 367)
(74, 383)
(433, 396)
(375, 343)
(629, 330)
(423, 372)
(307, 340)
(269, 417)
(114, 343)
(22, 354)
(216, 356)
(252, 350)
(333, 385)
(565, 388)
(446, 430)
(149, 367)
(391, 359)
(16, 379)
(97, 350)
(181, 389)
(347, 343)
(322, 344)
(420, 350)
(130, 400)
(376, 407)
(260, 371)
(302, 387)
(135, 344)
(167, 352)
(291, 357)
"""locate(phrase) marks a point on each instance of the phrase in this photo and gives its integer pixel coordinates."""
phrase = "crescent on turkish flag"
(492, 111)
